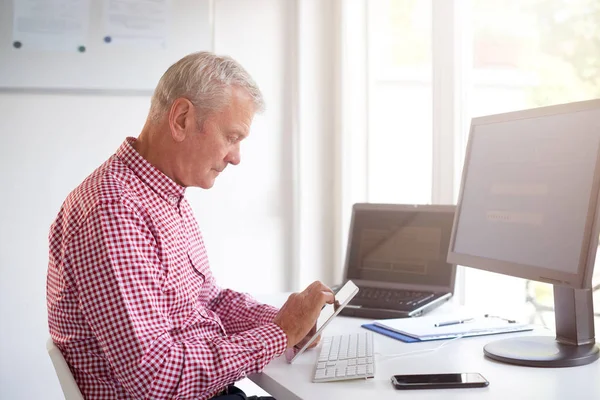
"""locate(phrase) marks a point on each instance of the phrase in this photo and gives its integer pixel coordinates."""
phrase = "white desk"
(285, 381)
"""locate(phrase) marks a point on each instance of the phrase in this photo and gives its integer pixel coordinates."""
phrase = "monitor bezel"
(583, 278)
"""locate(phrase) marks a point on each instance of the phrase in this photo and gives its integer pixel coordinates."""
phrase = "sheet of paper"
(51, 25)
(136, 23)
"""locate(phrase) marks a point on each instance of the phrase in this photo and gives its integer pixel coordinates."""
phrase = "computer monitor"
(528, 207)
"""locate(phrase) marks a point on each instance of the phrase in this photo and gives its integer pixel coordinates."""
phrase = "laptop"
(396, 255)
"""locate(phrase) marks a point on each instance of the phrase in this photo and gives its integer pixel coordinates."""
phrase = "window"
(530, 53)
(399, 158)
(520, 54)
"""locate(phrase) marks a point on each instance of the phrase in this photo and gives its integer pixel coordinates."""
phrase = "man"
(132, 302)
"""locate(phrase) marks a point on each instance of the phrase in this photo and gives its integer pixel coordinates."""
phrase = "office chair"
(67, 382)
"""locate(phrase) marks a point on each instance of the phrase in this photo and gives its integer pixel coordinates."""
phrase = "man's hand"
(299, 314)
(313, 330)
(306, 338)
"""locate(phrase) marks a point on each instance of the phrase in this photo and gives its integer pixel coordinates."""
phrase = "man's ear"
(180, 118)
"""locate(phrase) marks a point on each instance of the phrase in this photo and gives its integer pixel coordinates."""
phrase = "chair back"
(65, 377)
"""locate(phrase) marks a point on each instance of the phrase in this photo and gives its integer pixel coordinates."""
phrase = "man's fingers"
(320, 299)
(336, 305)
(329, 297)
(326, 294)
(318, 286)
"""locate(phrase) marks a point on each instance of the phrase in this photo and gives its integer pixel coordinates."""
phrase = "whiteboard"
(104, 66)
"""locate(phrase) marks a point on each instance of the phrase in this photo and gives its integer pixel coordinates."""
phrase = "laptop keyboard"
(346, 356)
(391, 298)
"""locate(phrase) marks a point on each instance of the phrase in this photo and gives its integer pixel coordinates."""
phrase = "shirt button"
(173, 200)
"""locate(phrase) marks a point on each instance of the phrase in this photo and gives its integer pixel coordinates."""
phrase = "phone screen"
(432, 381)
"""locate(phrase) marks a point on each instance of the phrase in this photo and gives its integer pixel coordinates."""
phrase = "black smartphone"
(439, 381)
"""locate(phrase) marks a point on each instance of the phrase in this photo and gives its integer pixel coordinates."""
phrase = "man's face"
(216, 142)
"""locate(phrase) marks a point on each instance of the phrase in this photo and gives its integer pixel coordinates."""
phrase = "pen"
(456, 322)
(510, 321)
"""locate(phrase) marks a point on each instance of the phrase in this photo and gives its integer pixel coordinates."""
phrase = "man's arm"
(240, 312)
(119, 279)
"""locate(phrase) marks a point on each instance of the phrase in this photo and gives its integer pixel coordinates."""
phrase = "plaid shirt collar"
(164, 186)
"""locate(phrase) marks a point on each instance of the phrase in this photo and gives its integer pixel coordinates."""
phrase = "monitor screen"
(401, 243)
(528, 196)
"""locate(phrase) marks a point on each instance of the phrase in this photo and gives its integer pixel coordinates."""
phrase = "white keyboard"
(345, 357)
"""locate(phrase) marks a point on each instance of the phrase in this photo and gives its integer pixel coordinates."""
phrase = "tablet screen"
(329, 311)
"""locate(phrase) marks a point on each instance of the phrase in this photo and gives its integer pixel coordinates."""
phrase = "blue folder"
(392, 334)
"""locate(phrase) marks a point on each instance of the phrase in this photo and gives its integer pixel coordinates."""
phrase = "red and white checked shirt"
(132, 303)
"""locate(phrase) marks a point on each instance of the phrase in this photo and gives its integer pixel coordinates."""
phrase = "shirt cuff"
(274, 338)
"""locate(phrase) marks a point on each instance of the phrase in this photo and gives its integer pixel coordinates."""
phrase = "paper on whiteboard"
(51, 25)
(136, 23)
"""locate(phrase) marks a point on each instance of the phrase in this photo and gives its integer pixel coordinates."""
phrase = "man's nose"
(234, 157)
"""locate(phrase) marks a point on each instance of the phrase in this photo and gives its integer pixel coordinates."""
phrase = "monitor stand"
(574, 343)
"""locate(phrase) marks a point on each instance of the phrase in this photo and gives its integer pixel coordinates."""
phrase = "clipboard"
(422, 329)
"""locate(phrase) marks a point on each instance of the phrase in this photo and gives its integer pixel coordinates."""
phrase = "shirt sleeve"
(119, 280)
(240, 311)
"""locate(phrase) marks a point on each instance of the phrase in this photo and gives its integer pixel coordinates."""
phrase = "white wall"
(50, 142)
(245, 217)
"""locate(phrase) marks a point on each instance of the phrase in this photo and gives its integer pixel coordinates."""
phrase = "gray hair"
(206, 80)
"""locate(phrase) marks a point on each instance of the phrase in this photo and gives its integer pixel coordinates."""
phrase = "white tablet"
(342, 298)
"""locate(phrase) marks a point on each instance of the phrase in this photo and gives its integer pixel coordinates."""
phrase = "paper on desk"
(423, 328)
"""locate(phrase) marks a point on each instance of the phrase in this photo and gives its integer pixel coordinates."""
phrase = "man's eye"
(234, 139)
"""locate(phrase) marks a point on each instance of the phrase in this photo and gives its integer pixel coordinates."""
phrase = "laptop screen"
(403, 244)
